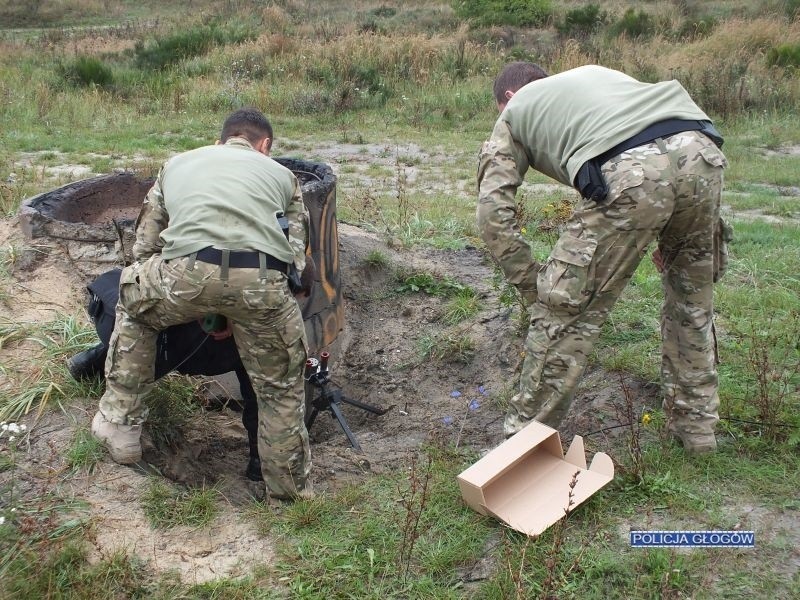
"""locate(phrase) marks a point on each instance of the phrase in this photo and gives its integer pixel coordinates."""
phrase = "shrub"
(634, 24)
(582, 21)
(696, 28)
(785, 55)
(163, 52)
(384, 12)
(504, 12)
(86, 71)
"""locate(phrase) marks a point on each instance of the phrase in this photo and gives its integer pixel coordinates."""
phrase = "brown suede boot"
(123, 441)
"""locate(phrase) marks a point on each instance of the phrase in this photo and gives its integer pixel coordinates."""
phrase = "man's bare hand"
(223, 333)
(658, 260)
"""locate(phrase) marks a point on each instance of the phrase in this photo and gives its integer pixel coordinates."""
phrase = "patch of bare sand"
(229, 547)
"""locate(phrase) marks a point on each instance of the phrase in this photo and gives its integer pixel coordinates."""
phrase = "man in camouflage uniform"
(208, 240)
(646, 161)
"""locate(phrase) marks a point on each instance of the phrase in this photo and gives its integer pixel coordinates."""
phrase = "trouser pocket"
(564, 282)
(137, 294)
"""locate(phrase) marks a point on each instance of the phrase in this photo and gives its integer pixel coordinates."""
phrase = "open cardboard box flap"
(525, 481)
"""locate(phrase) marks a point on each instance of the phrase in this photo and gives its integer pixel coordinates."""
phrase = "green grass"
(376, 259)
(85, 451)
(52, 342)
(464, 305)
(446, 346)
(166, 506)
(171, 405)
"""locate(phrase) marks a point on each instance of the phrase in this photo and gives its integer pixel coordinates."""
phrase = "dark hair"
(249, 123)
(513, 76)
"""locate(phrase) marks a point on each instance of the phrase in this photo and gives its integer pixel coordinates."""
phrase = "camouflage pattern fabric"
(270, 336)
(667, 190)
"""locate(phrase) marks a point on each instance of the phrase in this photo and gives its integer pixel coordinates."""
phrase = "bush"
(86, 71)
(504, 12)
(161, 53)
(696, 28)
(582, 21)
(785, 55)
(634, 24)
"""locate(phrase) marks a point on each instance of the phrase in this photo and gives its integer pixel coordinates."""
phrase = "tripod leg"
(312, 417)
(337, 412)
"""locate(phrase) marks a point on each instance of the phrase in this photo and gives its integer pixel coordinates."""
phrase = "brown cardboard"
(525, 481)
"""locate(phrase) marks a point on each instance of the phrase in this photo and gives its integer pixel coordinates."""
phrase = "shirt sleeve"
(501, 168)
(297, 215)
(152, 220)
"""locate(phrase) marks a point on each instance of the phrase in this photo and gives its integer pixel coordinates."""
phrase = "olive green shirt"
(227, 196)
(554, 125)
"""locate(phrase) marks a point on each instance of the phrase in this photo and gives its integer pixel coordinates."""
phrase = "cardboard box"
(525, 481)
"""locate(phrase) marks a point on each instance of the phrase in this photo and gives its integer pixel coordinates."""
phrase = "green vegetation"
(166, 506)
(162, 52)
(446, 346)
(50, 343)
(504, 12)
(634, 24)
(114, 83)
(785, 55)
(583, 20)
(376, 259)
(428, 283)
(85, 451)
(86, 71)
(462, 306)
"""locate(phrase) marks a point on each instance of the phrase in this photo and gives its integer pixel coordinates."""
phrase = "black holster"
(295, 283)
(590, 181)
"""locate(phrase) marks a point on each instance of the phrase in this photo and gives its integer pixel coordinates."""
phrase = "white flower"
(2, 520)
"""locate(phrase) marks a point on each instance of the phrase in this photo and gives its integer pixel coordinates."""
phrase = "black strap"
(240, 259)
(661, 129)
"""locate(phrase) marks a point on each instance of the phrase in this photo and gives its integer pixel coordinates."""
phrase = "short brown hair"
(515, 75)
(249, 123)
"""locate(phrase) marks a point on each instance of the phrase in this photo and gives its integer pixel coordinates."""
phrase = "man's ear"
(265, 146)
(509, 95)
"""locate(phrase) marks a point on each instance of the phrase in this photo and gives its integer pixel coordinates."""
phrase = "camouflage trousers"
(667, 190)
(270, 336)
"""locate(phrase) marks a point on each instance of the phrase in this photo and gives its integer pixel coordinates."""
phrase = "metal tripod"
(317, 374)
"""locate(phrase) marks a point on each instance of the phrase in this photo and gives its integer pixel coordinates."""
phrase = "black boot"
(89, 363)
(253, 471)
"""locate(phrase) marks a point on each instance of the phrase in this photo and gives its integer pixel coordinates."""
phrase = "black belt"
(661, 129)
(240, 259)
(590, 181)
